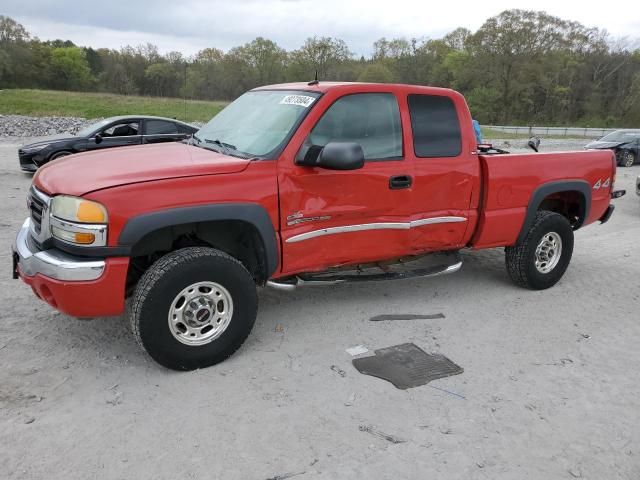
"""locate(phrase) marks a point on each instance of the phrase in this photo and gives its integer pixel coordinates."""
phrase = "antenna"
(315, 81)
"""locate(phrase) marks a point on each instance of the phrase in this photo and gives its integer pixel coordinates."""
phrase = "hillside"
(99, 105)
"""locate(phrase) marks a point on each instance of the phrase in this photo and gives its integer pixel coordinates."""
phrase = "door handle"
(400, 181)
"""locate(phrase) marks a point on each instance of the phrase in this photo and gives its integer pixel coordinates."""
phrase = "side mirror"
(534, 143)
(98, 139)
(334, 156)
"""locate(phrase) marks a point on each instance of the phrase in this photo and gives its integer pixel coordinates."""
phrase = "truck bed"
(510, 181)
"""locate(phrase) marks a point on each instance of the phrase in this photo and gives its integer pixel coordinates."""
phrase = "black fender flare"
(543, 191)
(137, 227)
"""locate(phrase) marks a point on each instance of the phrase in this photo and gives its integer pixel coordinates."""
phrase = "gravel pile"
(24, 126)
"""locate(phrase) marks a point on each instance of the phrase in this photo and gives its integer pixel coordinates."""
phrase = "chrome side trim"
(434, 220)
(53, 263)
(374, 226)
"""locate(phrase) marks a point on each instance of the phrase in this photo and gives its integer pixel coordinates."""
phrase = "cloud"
(191, 25)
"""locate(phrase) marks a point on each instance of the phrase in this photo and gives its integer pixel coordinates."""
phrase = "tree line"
(519, 67)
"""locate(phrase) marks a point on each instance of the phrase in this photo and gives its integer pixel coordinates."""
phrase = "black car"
(107, 133)
(626, 144)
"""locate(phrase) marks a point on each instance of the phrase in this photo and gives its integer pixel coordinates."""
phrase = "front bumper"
(28, 161)
(74, 285)
(53, 263)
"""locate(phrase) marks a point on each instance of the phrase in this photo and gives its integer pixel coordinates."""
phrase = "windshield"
(620, 136)
(88, 130)
(257, 123)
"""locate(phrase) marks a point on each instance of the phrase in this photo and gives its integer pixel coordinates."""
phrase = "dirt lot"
(550, 388)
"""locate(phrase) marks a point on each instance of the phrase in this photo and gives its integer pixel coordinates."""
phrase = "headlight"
(79, 221)
(35, 149)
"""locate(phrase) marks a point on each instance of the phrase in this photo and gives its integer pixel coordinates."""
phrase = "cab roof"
(323, 87)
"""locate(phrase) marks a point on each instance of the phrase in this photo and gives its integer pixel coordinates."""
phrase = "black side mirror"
(534, 143)
(98, 139)
(334, 156)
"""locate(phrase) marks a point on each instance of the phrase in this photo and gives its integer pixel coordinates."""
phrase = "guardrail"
(552, 131)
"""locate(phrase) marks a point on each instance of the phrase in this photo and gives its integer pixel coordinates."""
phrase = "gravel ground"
(549, 390)
(24, 126)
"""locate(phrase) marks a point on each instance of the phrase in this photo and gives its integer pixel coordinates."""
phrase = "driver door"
(331, 218)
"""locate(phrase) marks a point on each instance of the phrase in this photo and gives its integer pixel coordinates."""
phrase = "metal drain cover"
(406, 366)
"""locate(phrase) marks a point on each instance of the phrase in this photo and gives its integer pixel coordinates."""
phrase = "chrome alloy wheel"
(200, 313)
(548, 252)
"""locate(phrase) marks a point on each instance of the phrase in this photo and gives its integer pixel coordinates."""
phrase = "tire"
(156, 301)
(628, 158)
(521, 258)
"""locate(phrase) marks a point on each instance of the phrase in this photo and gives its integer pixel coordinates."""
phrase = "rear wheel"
(541, 259)
(628, 158)
(193, 308)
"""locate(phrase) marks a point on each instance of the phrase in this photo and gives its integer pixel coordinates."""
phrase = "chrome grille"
(37, 208)
(39, 212)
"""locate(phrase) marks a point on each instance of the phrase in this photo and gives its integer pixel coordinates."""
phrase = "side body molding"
(543, 191)
(137, 227)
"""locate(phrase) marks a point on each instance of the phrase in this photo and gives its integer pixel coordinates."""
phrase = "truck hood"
(86, 172)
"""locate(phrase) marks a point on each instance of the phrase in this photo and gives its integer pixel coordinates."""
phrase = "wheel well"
(237, 238)
(570, 204)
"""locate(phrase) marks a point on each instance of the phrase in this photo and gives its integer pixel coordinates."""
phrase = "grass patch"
(40, 103)
(488, 133)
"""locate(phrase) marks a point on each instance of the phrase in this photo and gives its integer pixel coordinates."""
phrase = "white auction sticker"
(301, 100)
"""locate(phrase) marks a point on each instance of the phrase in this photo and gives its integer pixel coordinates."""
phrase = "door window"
(370, 119)
(120, 130)
(160, 127)
(436, 130)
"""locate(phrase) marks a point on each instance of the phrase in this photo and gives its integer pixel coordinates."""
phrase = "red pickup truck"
(293, 184)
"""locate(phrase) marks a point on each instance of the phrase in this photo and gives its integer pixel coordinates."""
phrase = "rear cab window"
(435, 126)
(371, 120)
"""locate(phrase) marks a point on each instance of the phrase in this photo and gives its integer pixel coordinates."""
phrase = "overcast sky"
(190, 25)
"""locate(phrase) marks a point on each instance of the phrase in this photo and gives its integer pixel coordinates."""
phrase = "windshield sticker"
(301, 100)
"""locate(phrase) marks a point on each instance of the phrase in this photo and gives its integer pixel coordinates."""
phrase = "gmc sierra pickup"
(295, 184)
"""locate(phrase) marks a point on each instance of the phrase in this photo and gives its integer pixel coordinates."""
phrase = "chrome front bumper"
(52, 263)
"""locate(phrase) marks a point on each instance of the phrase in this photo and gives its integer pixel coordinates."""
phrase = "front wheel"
(193, 308)
(541, 259)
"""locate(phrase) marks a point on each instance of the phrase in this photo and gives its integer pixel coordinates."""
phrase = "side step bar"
(291, 283)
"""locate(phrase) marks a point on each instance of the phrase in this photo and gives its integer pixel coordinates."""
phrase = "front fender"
(137, 227)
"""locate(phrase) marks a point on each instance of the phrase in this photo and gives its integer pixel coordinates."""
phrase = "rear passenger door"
(159, 131)
(446, 169)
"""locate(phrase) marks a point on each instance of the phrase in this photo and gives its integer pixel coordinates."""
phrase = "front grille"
(37, 208)
(38, 211)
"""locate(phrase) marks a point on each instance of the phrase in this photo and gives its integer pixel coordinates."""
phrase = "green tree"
(162, 79)
(70, 68)
(376, 73)
(323, 55)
